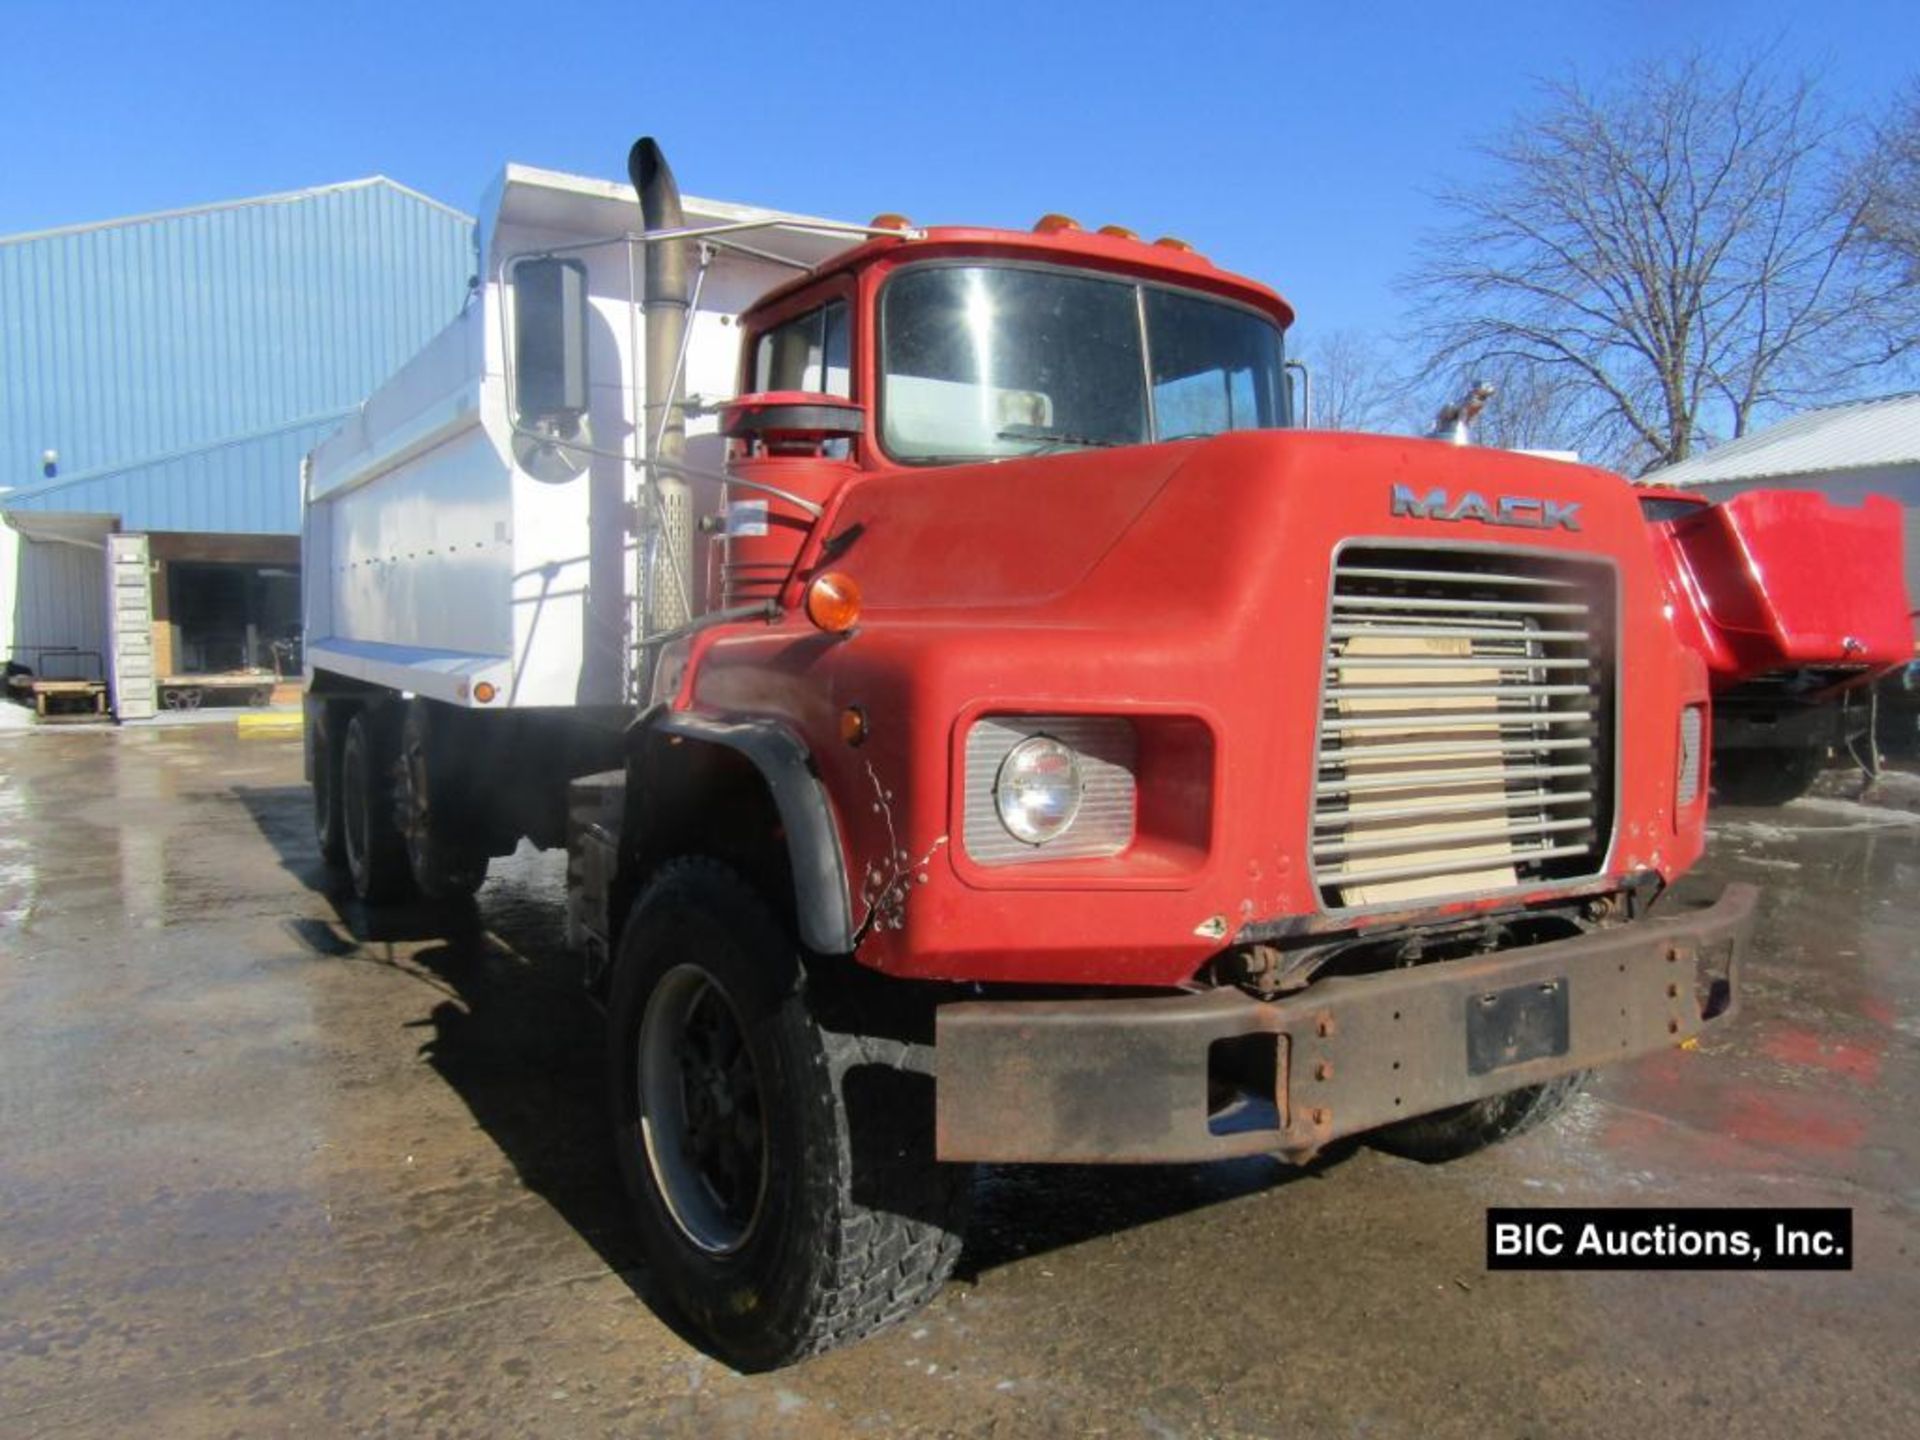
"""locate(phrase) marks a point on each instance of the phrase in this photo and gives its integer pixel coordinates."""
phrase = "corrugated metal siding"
(182, 364)
(55, 595)
(1879, 432)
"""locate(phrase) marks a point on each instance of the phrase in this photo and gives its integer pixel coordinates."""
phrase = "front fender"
(781, 759)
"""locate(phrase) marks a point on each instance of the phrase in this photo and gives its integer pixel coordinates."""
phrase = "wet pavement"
(271, 1166)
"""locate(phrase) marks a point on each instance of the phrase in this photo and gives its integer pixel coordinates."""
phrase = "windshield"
(985, 361)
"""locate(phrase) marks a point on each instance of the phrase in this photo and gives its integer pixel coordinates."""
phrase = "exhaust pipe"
(1454, 423)
(663, 416)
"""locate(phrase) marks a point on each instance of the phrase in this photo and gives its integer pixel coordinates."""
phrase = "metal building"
(160, 378)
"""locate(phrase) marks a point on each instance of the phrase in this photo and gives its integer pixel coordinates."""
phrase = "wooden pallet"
(56, 700)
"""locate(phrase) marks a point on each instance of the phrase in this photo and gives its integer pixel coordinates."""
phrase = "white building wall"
(52, 593)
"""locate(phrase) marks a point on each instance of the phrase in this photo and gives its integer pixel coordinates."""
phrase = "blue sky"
(1299, 143)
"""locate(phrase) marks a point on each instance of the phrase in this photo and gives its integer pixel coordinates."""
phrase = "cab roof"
(1085, 249)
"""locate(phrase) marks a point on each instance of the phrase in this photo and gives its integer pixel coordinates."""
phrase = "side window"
(809, 352)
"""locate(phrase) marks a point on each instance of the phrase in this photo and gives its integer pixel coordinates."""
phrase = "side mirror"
(1302, 413)
(549, 341)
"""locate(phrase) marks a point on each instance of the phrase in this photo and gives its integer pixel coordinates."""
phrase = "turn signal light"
(1052, 224)
(833, 602)
(484, 692)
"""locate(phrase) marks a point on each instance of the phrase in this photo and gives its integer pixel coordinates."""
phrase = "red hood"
(1181, 524)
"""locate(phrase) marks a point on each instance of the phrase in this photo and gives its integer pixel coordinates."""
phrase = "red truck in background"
(1797, 605)
(1068, 757)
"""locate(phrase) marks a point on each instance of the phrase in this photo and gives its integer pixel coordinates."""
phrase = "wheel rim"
(701, 1124)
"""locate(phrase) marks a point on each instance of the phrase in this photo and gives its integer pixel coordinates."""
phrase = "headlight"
(1038, 789)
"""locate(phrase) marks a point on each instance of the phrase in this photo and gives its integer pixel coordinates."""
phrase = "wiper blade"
(1047, 440)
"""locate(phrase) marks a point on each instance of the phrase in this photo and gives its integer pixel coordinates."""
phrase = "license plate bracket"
(1520, 1023)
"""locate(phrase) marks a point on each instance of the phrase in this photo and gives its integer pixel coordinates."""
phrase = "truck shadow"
(1022, 1211)
(513, 1033)
(517, 1038)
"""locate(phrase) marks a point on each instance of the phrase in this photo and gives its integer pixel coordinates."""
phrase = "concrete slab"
(272, 1164)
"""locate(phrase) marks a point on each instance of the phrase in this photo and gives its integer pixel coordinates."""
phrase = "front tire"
(1462, 1129)
(781, 1172)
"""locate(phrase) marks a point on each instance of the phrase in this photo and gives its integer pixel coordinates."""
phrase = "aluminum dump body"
(447, 556)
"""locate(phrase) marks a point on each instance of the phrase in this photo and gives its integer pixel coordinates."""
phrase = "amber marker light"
(484, 692)
(889, 221)
(1119, 232)
(1054, 224)
(1174, 242)
(833, 602)
(853, 725)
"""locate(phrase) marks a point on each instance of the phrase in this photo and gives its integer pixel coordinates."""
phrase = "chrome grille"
(1465, 724)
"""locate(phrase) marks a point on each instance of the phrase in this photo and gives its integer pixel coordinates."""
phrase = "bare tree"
(1354, 385)
(1890, 179)
(1670, 255)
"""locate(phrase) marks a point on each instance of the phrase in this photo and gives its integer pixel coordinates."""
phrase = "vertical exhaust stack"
(1454, 423)
(669, 552)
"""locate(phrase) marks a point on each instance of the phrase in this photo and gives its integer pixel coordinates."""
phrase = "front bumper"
(1094, 1081)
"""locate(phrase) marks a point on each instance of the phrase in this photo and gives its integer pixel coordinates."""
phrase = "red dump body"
(1776, 580)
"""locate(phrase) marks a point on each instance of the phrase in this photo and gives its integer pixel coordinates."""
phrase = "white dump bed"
(443, 555)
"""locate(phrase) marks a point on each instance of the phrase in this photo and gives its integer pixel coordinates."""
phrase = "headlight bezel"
(1107, 753)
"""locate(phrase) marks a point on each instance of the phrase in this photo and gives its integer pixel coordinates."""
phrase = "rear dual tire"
(325, 735)
(376, 781)
(375, 851)
(444, 860)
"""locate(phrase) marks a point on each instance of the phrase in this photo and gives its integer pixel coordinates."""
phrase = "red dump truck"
(985, 727)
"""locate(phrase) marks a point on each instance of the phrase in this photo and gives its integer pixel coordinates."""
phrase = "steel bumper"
(1094, 1081)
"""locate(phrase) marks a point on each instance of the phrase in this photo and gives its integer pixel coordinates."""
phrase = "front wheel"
(1766, 775)
(781, 1172)
(1462, 1129)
